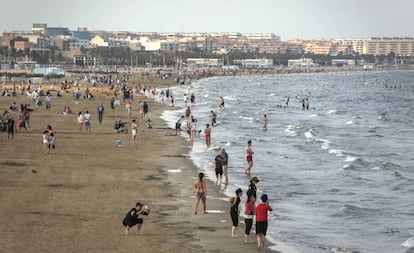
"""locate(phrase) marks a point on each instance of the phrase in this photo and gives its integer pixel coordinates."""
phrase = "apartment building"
(384, 46)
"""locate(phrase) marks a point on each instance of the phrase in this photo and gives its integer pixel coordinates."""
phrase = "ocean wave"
(291, 130)
(353, 210)
(335, 249)
(409, 244)
(309, 134)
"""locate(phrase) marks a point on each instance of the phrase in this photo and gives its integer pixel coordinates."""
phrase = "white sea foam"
(309, 134)
(409, 244)
(350, 122)
(332, 111)
(350, 158)
(313, 115)
(290, 130)
(175, 171)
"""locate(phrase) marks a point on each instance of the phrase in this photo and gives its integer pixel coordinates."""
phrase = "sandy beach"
(74, 200)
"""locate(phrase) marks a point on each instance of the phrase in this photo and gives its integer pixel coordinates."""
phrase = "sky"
(290, 19)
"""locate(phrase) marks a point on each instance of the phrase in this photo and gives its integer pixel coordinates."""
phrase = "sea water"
(340, 175)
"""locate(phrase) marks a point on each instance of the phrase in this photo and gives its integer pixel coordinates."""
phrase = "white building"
(302, 62)
(255, 63)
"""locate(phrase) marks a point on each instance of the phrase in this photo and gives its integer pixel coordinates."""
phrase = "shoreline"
(75, 199)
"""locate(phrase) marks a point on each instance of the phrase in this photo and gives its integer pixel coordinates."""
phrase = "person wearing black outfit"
(131, 218)
(235, 211)
(252, 187)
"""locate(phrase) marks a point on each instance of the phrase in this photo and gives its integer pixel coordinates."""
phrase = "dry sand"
(74, 200)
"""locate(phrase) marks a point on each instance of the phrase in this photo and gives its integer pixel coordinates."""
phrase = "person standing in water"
(264, 123)
(207, 135)
(249, 157)
(221, 103)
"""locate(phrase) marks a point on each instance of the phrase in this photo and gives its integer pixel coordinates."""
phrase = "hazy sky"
(305, 19)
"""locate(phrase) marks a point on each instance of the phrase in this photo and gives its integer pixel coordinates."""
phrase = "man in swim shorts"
(249, 157)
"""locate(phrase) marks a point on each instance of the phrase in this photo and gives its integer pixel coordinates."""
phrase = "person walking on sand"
(264, 123)
(101, 110)
(225, 160)
(249, 157)
(200, 192)
(87, 120)
(132, 218)
(207, 135)
(80, 121)
(261, 221)
(11, 127)
(134, 128)
(235, 211)
(249, 213)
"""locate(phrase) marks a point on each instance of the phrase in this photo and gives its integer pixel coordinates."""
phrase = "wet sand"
(74, 200)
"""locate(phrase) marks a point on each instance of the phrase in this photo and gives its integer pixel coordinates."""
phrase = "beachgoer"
(178, 125)
(261, 221)
(51, 143)
(207, 135)
(218, 168)
(193, 129)
(213, 117)
(303, 104)
(101, 110)
(187, 113)
(128, 106)
(21, 123)
(224, 163)
(145, 106)
(132, 218)
(141, 110)
(307, 103)
(287, 101)
(11, 127)
(113, 103)
(221, 103)
(134, 128)
(26, 115)
(235, 211)
(48, 101)
(264, 122)
(87, 121)
(252, 187)
(192, 98)
(80, 121)
(45, 141)
(249, 212)
(249, 157)
(51, 138)
(149, 125)
(200, 192)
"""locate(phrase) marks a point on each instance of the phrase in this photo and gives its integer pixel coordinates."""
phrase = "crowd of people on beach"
(187, 122)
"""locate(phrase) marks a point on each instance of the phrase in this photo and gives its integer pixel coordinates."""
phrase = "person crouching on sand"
(131, 218)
